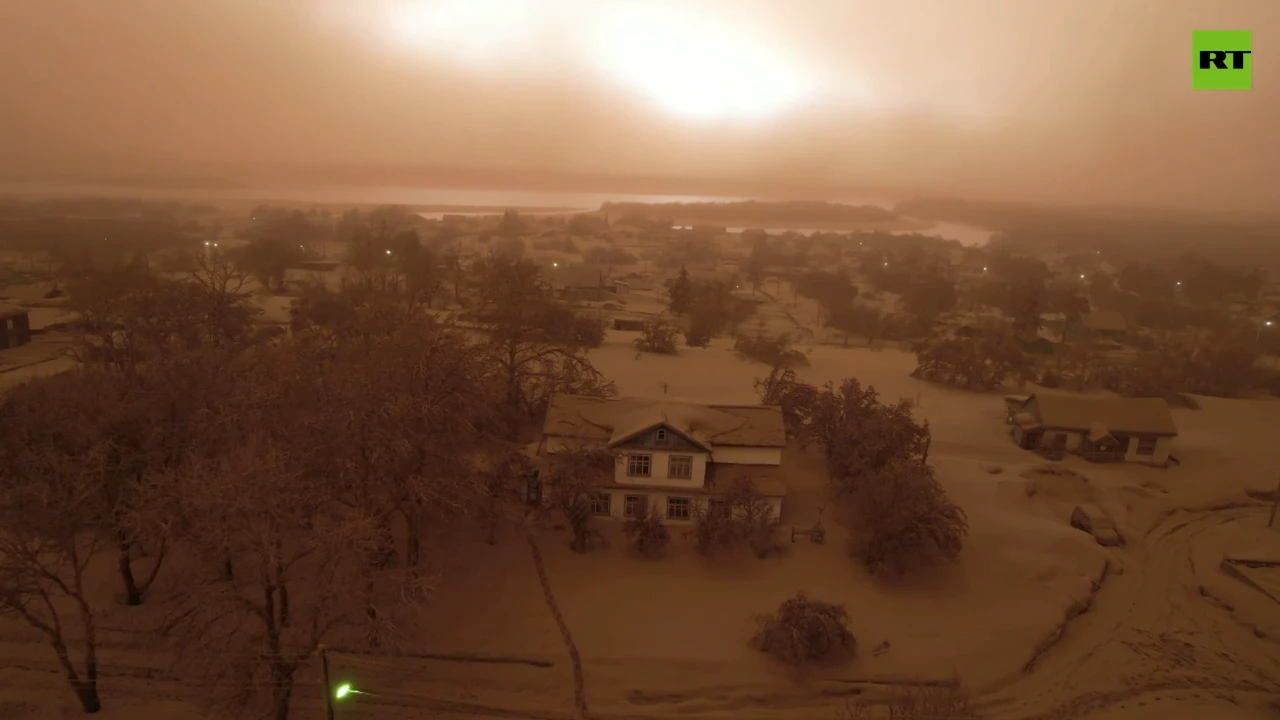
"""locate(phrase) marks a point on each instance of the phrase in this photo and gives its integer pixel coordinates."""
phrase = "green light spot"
(342, 691)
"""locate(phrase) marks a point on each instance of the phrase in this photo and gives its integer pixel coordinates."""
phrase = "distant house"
(15, 327)
(1106, 324)
(580, 283)
(1101, 429)
(638, 282)
(674, 456)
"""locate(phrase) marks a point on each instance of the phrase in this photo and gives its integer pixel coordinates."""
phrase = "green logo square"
(1222, 60)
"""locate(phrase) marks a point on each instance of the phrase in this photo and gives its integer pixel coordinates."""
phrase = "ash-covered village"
(650, 461)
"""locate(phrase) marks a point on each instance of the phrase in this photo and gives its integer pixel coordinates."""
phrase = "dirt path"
(1151, 629)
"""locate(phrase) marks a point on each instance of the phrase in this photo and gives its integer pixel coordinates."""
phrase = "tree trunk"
(278, 570)
(228, 573)
(124, 562)
(281, 689)
(86, 689)
(493, 517)
(412, 542)
(87, 694)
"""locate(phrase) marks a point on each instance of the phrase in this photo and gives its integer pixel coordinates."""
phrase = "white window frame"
(633, 506)
(1151, 450)
(671, 464)
(680, 501)
(635, 460)
(661, 434)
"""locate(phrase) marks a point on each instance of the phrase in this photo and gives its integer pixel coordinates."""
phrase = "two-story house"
(672, 455)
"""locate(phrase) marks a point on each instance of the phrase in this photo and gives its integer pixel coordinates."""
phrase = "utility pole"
(1275, 503)
(328, 686)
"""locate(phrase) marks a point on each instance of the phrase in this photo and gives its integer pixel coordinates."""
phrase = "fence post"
(328, 686)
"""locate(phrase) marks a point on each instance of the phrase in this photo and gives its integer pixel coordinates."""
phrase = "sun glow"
(696, 73)
(688, 65)
(475, 32)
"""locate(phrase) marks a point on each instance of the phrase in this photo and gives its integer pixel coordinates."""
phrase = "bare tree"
(798, 400)
(50, 512)
(659, 337)
(304, 572)
(575, 474)
(533, 340)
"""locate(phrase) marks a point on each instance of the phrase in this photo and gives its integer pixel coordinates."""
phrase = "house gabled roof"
(1146, 416)
(643, 419)
(615, 420)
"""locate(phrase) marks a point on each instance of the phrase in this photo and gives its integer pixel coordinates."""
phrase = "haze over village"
(714, 360)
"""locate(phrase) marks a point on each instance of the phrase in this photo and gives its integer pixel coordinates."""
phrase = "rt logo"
(1222, 60)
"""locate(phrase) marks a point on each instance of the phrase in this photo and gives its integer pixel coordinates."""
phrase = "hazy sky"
(1067, 99)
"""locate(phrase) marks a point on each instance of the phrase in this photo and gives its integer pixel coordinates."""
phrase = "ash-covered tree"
(50, 510)
(984, 362)
(648, 533)
(773, 350)
(739, 518)
(861, 435)
(658, 337)
(757, 263)
(929, 296)
(804, 631)
(575, 476)
(833, 291)
(901, 519)
(536, 343)
(421, 412)
(307, 573)
(681, 293)
(798, 400)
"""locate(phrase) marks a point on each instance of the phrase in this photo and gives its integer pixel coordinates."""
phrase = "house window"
(1146, 446)
(661, 435)
(633, 506)
(679, 508)
(533, 490)
(600, 503)
(639, 465)
(717, 508)
(680, 467)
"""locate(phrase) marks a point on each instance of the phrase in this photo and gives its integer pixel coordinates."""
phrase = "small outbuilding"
(1100, 429)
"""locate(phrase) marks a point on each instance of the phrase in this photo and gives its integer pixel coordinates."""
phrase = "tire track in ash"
(1150, 630)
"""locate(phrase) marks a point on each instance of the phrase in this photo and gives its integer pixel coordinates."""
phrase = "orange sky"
(1055, 99)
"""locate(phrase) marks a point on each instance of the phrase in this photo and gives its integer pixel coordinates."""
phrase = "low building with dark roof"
(673, 455)
(1102, 429)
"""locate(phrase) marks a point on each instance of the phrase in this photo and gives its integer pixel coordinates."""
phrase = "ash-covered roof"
(616, 420)
(1149, 416)
(575, 276)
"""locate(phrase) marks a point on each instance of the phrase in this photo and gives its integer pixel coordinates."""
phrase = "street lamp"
(1258, 335)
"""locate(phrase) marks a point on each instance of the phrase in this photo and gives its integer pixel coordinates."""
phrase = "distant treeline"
(70, 224)
(752, 212)
(100, 207)
(1041, 227)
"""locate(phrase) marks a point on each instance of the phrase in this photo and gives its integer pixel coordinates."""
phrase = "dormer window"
(661, 435)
